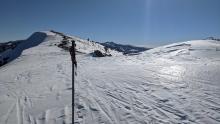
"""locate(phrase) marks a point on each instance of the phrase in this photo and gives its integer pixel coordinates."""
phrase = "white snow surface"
(178, 83)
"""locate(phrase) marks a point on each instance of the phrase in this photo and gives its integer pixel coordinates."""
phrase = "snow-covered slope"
(84, 46)
(35, 88)
(33, 40)
(193, 50)
(177, 83)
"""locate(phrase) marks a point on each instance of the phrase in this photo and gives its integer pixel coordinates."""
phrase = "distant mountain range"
(125, 49)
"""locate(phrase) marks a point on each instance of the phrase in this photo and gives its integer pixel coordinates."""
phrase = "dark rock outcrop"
(98, 53)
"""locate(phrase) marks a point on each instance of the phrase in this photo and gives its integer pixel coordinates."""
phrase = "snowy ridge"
(34, 40)
(198, 50)
(85, 46)
(37, 38)
(64, 41)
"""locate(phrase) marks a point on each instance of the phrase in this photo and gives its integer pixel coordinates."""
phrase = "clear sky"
(138, 22)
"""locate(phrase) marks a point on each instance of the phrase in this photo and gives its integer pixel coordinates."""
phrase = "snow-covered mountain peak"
(48, 33)
(195, 49)
(84, 46)
(12, 50)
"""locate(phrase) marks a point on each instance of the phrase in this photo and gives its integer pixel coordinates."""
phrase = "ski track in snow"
(152, 88)
(111, 92)
(33, 92)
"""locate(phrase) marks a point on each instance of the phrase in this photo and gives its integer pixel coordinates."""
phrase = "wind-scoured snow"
(177, 83)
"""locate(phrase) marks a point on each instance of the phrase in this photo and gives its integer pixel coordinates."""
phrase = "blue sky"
(140, 22)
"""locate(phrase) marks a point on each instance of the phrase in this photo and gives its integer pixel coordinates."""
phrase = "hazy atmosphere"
(139, 22)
